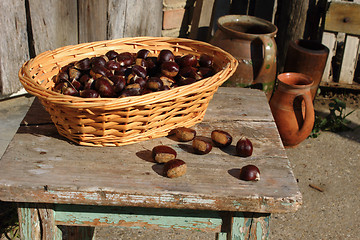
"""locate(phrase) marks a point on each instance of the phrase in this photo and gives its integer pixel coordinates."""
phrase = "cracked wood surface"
(41, 166)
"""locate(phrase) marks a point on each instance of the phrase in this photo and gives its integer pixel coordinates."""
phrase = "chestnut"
(76, 84)
(143, 53)
(105, 87)
(125, 59)
(250, 173)
(135, 89)
(206, 60)
(61, 77)
(205, 72)
(89, 93)
(141, 62)
(166, 55)
(170, 69)
(154, 84)
(128, 92)
(84, 78)
(162, 153)
(185, 134)
(60, 87)
(112, 65)
(244, 147)
(221, 138)
(83, 64)
(189, 72)
(139, 71)
(111, 54)
(186, 81)
(167, 81)
(201, 145)
(175, 168)
(121, 71)
(100, 71)
(74, 73)
(119, 82)
(188, 60)
(89, 84)
(70, 91)
(98, 61)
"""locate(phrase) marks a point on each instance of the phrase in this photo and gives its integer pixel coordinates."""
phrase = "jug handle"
(269, 57)
(309, 115)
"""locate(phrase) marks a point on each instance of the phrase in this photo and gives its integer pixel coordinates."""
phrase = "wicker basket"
(120, 121)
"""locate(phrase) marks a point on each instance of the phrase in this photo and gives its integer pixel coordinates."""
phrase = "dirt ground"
(327, 170)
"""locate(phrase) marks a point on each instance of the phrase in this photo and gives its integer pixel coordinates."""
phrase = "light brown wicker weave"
(119, 121)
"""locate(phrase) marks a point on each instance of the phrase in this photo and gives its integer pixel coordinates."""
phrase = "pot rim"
(291, 78)
(320, 49)
(246, 18)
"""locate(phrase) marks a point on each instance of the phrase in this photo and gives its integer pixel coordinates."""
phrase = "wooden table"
(57, 182)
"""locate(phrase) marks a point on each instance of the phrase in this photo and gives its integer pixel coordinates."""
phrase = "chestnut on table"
(57, 183)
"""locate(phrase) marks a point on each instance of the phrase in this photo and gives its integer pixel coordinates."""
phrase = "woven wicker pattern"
(119, 121)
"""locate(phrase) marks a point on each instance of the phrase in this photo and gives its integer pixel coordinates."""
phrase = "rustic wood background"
(35, 26)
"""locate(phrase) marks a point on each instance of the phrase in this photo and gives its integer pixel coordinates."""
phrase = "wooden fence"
(35, 26)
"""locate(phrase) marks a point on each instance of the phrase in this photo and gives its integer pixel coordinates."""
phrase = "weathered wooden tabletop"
(41, 166)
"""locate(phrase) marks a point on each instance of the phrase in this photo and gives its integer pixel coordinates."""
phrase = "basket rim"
(36, 89)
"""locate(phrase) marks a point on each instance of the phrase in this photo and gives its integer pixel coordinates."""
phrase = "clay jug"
(307, 57)
(251, 41)
(292, 108)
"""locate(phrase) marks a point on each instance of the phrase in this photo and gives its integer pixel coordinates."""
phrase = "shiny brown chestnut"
(221, 138)
(99, 71)
(143, 53)
(112, 65)
(119, 83)
(111, 54)
(89, 84)
(60, 87)
(170, 69)
(244, 147)
(188, 60)
(175, 168)
(206, 60)
(76, 84)
(201, 145)
(98, 61)
(70, 91)
(154, 84)
(185, 134)
(139, 71)
(74, 73)
(250, 173)
(105, 87)
(185, 81)
(166, 55)
(163, 154)
(83, 65)
(61, 77)
(89, 93)
(205, 72)
(125, 59)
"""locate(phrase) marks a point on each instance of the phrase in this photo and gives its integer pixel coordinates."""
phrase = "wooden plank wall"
(35, 26)
(341, 36)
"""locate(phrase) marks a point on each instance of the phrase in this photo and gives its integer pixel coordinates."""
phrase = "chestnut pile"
(131, 74)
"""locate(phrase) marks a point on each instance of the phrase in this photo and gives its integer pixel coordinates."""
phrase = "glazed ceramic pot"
(292, 108)
(307, 57)
(251, 41)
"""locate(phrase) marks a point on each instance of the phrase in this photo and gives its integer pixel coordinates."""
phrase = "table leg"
(250, 226)
(37, 222)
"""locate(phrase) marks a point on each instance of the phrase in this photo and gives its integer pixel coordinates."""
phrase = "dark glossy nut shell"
(170, 69)
(166, 56)
(89, 93)
(206, 60)
(125, 59)
(244, 147)
(221, 138)
(143, 53)
(185, 134)
(83, 64)
(250, 173)
(112, 65)
(111, 54)
(154, 83)
(105, 87)
(163, 154)
(98, 61)
(201, 146)
(175, 168)
(188, 60)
